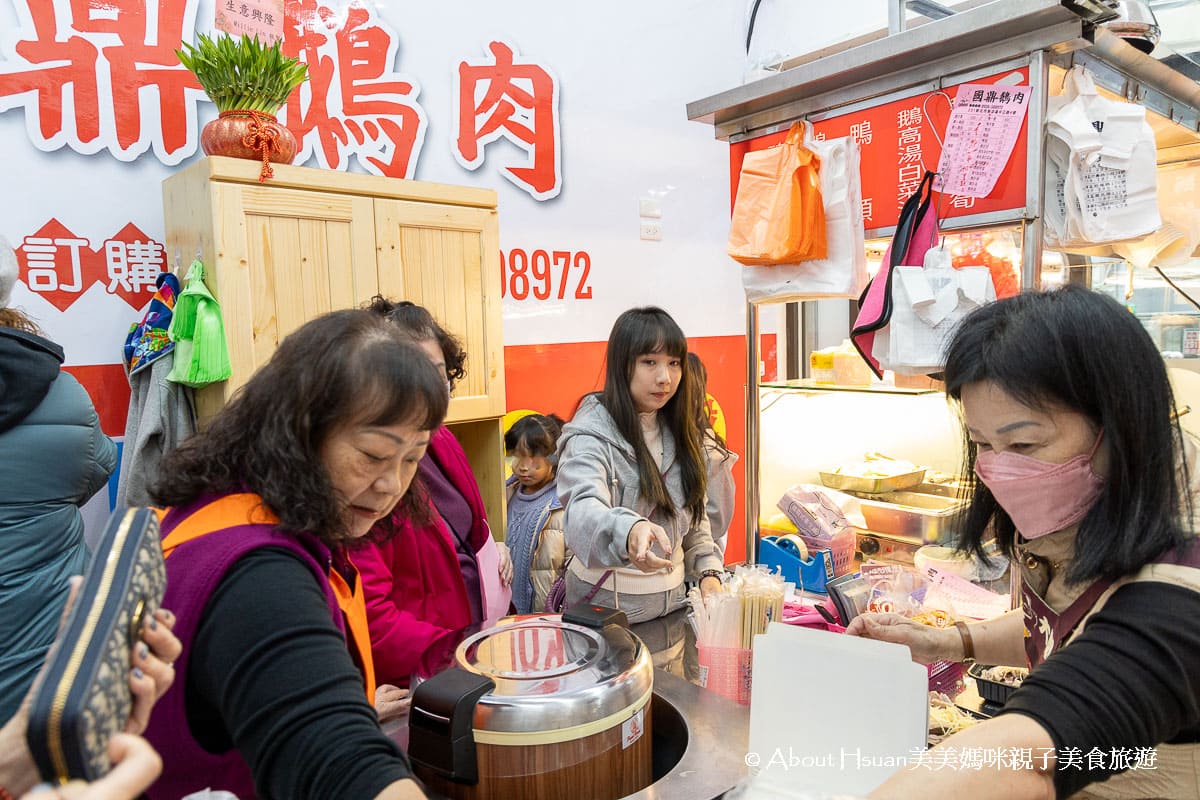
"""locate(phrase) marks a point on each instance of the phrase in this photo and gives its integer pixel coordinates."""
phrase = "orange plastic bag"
(778, 215)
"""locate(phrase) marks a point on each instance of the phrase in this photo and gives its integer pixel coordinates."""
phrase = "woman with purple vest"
(271, 695)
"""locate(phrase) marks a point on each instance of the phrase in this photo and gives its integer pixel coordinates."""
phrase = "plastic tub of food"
(946, 559)
(820, 364)
(996, 684)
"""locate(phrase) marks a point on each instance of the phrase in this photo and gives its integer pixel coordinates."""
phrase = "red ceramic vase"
(241, 134)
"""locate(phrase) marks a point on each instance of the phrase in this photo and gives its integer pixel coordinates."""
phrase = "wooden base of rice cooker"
(595, 766)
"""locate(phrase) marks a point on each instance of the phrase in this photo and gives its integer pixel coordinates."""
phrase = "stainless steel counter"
(700, 738)
(714, 735)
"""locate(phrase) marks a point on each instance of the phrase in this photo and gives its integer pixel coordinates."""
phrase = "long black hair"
(1083, 351)
(344, 368)
(637, 332)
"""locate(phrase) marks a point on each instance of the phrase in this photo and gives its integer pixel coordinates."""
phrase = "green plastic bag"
(201, 354)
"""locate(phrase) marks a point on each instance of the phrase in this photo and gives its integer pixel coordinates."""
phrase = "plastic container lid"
(821, 359)
(556, 678)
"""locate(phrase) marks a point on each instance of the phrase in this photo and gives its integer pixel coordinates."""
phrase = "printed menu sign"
(980, 137)
(261, 18)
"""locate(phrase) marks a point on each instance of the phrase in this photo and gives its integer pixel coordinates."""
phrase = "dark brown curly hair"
(420, 324)
(344, 368)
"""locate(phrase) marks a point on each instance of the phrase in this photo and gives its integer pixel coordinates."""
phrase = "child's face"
(533, 472)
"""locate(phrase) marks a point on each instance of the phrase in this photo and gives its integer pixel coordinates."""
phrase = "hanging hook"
(941, 146)
(925, 111)
(178, 259)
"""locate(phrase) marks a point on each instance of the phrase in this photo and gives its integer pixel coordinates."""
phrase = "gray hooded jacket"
(599, 488)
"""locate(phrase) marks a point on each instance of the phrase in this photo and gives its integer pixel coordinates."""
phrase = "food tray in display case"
(914, 516)
(868, 484)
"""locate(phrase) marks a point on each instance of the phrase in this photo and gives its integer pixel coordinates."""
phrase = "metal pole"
(897, 10)
(1035, 179)
(752, 431)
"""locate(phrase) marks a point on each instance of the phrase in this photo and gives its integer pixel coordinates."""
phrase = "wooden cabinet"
(311, 241)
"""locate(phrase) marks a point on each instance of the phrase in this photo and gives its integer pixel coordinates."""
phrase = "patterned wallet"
(82, 696)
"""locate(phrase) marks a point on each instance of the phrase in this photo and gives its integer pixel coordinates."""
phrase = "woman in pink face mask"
(1084, 479)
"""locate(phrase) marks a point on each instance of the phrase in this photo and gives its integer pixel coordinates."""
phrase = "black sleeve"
(1130, 680)
(271, 675)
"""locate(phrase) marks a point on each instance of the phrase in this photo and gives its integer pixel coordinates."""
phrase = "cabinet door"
(447, 259)
(284, 257)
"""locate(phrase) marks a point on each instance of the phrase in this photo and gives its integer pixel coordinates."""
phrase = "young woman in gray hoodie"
(631, 477)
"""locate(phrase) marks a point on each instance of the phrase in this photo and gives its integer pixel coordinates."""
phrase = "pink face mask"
(1041, 497)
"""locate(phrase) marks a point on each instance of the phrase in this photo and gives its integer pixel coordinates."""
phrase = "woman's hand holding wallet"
(153, 667)
(136, 766)
(152, 674)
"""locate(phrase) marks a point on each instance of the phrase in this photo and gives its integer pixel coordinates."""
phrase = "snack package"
(813, 511)
(894, 588)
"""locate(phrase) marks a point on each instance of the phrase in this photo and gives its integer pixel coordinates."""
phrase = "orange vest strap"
(354, 608)
(248, 509)
(227, 512)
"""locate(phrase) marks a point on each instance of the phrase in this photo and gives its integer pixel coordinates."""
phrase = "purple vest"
(1047, 630)
(193, 571)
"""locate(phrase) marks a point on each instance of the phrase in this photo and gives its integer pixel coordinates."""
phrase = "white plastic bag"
(1101, 175)
(1173, 244)
(843, 272)
(927, 304)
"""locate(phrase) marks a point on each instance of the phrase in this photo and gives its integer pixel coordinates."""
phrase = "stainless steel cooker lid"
(553, 676)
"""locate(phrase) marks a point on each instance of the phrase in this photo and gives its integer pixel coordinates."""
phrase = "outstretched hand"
(642, 536)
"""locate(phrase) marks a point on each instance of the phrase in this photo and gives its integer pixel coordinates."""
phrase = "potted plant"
(249, 82)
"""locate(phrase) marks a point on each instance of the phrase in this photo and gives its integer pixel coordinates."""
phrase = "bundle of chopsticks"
(732, 618)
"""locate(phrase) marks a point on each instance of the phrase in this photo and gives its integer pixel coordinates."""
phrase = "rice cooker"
(537, 707)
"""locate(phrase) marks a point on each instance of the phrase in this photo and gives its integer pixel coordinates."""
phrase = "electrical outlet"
(652, 230)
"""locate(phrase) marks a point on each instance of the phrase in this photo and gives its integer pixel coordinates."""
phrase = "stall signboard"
(899, 140)
(576, 119)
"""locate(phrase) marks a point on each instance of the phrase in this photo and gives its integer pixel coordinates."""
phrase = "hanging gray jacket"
(53, 458)
(599, 488)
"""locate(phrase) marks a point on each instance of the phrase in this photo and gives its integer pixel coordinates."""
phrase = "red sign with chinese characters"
(60, 266)
(98, 75)
(96, 78)
(898, 142)
(503, 95)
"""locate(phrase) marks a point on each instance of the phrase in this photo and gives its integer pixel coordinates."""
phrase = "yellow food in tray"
(876, 466)
(874, 474)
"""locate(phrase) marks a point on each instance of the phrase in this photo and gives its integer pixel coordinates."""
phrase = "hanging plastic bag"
(1173, 244)
(843, 271)
(928, 302)
(1101, 175)
(201, 354)
(778, 215)
(916, 232)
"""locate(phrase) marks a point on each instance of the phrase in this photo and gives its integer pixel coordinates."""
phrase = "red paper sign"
(898, 143)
